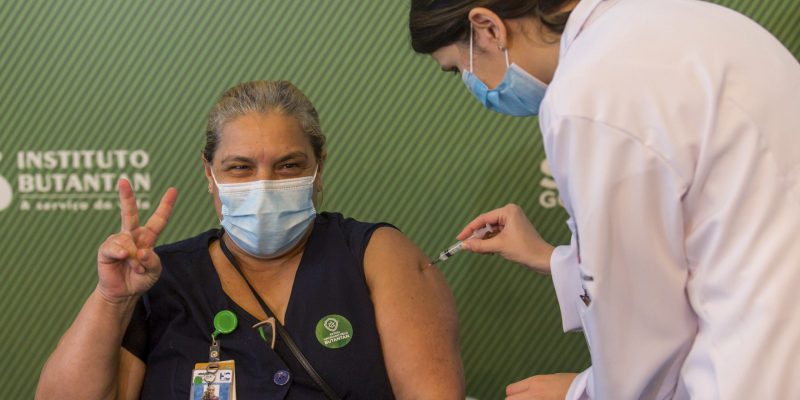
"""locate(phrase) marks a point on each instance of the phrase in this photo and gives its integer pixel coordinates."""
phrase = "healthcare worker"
(672, 128)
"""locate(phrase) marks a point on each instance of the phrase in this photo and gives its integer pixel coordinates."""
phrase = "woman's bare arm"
(87, 363)
(87, 358)
(417, 319)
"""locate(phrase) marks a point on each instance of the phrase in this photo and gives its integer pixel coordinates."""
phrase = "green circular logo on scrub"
(334, 331)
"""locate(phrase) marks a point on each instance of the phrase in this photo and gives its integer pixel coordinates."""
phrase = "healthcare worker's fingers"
(150, 262)
(115, 249)
(495, 245)
(158, 221)
(517, 387)
(523, 396)
(125, 270)
(127, 265)
(129, 212)
(541, 387)
(116, 259)
(496, 218)
(517, 239)
(148, 259)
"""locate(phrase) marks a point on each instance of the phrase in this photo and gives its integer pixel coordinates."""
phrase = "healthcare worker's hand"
(517, 240)
(541, 387)
(126, 264)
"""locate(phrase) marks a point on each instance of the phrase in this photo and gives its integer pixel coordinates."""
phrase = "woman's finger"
(134, 265)
(112, 252)
(148, 259)
(160, 217)
(129, 213)
(495, 217)
(517, 387)
(117, 247)
(483, 246)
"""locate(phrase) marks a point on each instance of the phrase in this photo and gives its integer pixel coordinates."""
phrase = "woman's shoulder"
(382, 245)
(348, 224)
(356, 233)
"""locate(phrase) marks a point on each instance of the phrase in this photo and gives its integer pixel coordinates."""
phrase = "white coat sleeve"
(626, 204)
(579, 389)
(567, 282)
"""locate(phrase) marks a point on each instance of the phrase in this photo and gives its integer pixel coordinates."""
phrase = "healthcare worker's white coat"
(672, 128)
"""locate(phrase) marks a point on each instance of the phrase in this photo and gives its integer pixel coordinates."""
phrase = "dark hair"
(434, 24)
(263, 97)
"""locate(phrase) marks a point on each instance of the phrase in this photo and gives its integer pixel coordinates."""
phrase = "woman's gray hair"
(263, 97)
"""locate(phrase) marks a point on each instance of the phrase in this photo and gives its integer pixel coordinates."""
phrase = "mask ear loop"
(214, 178)
(471, 68)
(470, 49)
(316, 171)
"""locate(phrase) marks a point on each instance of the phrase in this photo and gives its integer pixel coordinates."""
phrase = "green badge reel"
(225, 322)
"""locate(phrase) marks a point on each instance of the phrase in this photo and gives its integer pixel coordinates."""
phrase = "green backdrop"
(90, 90)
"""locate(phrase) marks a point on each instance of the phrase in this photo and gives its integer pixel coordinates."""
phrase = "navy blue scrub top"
(172, 325)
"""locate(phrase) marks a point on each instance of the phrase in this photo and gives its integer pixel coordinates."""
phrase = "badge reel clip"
(224, 323)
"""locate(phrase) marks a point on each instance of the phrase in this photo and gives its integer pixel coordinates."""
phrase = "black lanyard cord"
(326, 389)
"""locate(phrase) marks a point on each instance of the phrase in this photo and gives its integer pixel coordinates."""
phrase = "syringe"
(483, 233)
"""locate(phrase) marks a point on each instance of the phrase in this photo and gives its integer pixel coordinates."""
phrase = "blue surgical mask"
(519, 94)
(267, 218)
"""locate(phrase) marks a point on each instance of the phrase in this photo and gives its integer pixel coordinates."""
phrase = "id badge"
(213, 384)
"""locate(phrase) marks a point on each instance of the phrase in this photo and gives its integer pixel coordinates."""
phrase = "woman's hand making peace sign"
(127, 266)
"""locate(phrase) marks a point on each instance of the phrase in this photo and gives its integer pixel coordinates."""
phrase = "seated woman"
(354, 298)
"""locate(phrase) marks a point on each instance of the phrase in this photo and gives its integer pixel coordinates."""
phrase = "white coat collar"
(579, 18)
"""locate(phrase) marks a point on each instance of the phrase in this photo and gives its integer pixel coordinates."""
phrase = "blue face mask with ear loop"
(267, 218)
(519, 94)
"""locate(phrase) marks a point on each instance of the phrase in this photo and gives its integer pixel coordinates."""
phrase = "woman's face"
(259, 146)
